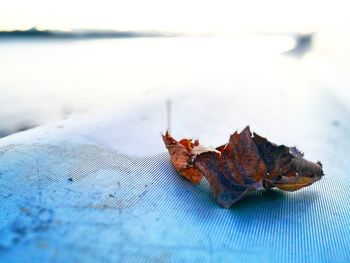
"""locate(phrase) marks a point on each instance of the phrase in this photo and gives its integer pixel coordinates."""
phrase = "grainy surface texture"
(100, 187)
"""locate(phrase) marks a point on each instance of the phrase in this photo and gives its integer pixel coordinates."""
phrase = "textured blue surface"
(119, 208)
(77, 192)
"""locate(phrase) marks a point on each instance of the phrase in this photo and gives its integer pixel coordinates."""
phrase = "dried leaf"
(244, 164)
(236, 171)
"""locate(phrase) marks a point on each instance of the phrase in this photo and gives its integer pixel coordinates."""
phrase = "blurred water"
(43, 81)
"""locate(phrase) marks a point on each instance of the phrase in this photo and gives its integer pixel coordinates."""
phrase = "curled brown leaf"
(246, 163)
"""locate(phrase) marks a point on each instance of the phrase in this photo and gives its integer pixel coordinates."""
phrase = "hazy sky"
(245, 16)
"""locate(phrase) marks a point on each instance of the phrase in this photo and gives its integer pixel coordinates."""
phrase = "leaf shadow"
(276, 197)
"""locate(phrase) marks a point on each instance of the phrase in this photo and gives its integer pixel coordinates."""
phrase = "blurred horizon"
(192, 17)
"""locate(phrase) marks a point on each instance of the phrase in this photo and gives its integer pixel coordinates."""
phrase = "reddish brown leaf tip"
(182, 158)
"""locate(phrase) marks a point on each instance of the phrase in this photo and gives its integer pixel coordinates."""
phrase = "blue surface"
(77, 192)
(119, 208)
